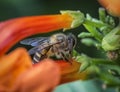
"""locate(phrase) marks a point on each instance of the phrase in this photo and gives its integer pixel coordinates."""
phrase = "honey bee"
(58, 45)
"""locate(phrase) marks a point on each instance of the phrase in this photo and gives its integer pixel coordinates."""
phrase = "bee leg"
(65, 57)
(70, 55)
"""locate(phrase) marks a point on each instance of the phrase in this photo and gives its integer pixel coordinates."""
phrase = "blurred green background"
(17, 8)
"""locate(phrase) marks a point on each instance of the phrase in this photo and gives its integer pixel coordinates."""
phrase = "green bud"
(89, 42)
(102, 14)
(85, 34)
(78, 17)
(112, 40)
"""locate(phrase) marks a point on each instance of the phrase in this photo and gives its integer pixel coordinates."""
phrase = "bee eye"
(72, 39)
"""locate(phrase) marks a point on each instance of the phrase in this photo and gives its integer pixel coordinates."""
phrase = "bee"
(58, 45)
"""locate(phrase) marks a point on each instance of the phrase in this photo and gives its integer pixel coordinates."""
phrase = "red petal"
(14, 30)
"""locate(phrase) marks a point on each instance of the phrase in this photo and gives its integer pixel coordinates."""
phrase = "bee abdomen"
(37, 57)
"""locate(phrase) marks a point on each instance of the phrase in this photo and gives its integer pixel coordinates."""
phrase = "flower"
(70, 72)
(113, 6)
(17, 72)
(16, 29)
(18, 75)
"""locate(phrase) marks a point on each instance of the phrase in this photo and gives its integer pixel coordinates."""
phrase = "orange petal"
(70, 72)
(14, 30)
(113, 6)
(12, 66)
(41, 78)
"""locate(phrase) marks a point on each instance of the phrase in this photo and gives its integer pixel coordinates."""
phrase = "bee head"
(72, 40)
(59, 37)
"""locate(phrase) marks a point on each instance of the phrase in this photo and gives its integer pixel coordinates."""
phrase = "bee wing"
(34, 41)
(33, 50)
(40, 41)
(38, 48)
